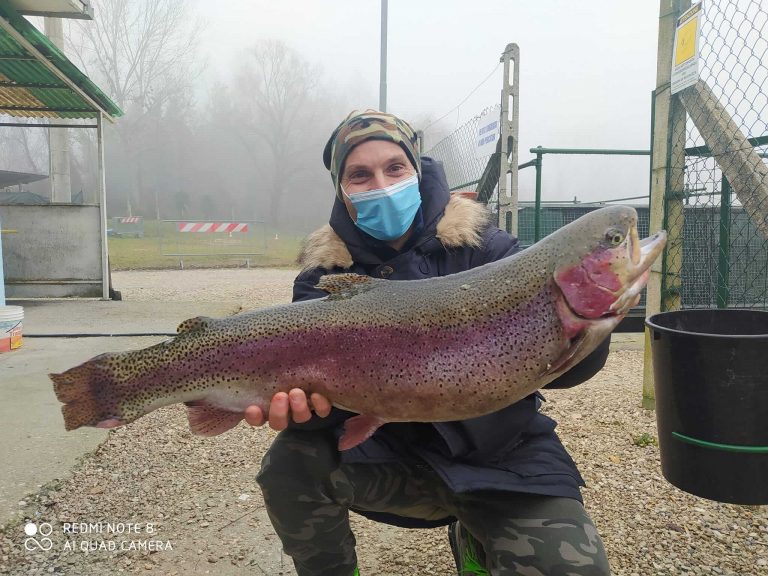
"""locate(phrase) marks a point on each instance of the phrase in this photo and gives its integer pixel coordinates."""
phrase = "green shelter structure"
(59, 249)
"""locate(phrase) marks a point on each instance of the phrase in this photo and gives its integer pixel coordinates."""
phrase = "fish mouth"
(640, 255)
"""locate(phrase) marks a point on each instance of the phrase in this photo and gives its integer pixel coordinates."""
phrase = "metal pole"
(724, 252)
(537, 207)
(514, 129)
(2, 275)
(103, 209)
(507, 197)
(383, 65)
(502, 198)
(591, 151)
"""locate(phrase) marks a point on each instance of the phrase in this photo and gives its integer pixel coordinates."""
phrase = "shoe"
(468, 553)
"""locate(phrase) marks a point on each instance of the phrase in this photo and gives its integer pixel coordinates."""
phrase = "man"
(505, 477)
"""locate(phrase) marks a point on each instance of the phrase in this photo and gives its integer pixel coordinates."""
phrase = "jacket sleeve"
(305, 285)
(498, 245)
(305, 288)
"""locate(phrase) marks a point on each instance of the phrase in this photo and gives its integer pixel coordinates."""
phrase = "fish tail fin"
(88, 394)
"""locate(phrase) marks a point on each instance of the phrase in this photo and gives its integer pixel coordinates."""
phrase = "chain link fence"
(463, 168)
(716, 193)
(556, 215)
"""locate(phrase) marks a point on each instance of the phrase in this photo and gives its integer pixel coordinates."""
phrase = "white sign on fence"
(487, 132)
(685, 54)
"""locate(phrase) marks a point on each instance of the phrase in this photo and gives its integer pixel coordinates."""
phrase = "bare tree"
(142, 53)
(138, 48)
(23, 150)
(279, 102)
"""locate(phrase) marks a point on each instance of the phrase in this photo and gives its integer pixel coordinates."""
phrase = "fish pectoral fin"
(341, 286)
(568, 358)
(358, 429)
(207, 420)
(196, 323)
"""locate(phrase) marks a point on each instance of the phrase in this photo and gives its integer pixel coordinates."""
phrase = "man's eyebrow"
(394, 158)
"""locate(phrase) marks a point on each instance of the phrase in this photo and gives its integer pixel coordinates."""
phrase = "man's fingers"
(300, 411)
(278, 411)
(254, 415)
(320, 404)
(293, 405)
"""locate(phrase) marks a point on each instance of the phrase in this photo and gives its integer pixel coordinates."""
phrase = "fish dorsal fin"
(341, 286)
(192, 324)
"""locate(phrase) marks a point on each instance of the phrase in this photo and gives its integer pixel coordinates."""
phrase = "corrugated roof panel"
(11, 99)
(34, 89)
(27, 72)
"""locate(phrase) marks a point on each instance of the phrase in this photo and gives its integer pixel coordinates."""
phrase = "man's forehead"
(376, 150)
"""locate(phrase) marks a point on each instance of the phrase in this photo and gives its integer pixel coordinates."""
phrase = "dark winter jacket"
(514, 449)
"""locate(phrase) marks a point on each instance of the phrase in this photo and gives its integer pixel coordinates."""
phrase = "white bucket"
(11, 318)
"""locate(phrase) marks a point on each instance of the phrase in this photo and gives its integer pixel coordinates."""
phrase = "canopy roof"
(8, 178)
(38, 81)
(80, 9)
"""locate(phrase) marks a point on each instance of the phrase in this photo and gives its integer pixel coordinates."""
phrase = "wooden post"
(668, 131)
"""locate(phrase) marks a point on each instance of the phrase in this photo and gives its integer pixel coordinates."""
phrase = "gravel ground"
(208, 517)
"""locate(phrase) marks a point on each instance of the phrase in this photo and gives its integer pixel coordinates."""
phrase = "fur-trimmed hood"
(461, 224)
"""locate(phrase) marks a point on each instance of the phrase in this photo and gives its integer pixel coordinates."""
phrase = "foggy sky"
(586, 73)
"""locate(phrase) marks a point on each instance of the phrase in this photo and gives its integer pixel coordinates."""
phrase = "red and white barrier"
(213, 227)
(130, 219)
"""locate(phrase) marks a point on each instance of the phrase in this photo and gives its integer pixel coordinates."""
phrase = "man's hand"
(283, 405)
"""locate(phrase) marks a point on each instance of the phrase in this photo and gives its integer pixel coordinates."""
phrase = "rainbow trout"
(440, 349)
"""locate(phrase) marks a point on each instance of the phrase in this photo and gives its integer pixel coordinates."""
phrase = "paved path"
(34, 448)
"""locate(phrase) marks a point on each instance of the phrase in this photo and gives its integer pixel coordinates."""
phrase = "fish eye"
(614, 237)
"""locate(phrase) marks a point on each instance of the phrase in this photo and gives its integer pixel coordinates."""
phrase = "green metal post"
(591, 151)
(537, 207)
(650, 160)
(724, 252)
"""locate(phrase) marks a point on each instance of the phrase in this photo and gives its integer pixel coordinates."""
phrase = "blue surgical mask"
(387, 213)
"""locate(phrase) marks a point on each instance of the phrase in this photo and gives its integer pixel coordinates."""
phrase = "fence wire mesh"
(457, 152)
(556, 215)
(716, 256)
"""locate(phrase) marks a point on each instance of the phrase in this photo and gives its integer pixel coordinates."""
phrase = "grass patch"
(161, 247)
(644, 440)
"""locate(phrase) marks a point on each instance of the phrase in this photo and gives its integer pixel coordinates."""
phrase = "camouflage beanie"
(359, 127)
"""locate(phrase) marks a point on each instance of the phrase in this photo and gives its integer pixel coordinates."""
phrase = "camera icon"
(44, 530)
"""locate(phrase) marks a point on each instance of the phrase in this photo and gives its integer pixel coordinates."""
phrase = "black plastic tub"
(711, 375)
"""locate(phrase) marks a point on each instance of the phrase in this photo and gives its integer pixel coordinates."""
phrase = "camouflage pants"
(308, 495)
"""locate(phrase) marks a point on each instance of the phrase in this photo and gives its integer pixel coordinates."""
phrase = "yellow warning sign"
(685, 53)
(686, 41)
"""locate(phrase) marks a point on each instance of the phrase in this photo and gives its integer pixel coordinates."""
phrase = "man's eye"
(396, 168)
(357, 176)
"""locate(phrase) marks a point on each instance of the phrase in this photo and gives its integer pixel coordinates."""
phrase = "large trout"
(432, 350)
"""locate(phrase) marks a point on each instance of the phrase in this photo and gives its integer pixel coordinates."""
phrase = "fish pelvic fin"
(207, 420)
(196, 323)
(358, 429)
(87, 393)
(343, 286)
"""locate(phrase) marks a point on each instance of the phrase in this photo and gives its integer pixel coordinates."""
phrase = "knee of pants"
(576, 552)
(296, 459)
